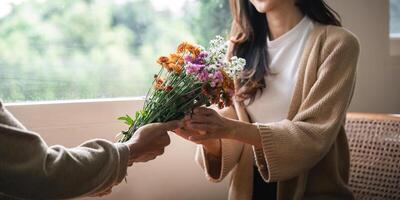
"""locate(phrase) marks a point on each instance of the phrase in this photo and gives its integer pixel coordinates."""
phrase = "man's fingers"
(199, 138)
(159, 152)
(171, 125)
(186, 132)
(183, 133)
(165, 140)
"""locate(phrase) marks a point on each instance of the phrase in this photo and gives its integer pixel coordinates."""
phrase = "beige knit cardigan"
(307, 154)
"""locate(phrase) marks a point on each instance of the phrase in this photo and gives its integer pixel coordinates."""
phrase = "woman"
(295, 91)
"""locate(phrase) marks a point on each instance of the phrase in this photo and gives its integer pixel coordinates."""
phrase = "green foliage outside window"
(80, 49)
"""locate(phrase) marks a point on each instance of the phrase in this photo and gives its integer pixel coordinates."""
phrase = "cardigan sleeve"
(290, 147)
(31, 169)
(230, 153)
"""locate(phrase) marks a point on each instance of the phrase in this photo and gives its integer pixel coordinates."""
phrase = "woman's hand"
(212, 146)
(209, 124)
(214, 126)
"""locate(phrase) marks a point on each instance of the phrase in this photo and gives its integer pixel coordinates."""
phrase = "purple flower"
(200, 59)
(216, 78)
(203, 76)
(192, 68)
(189, 59)
(202, 55)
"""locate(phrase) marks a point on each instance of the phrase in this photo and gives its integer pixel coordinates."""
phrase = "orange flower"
(181, 61)
(184, 46)
(170, 67)
(173, 57)
(176, 59)
(159, 80)
(228, 83)
(194, 50)
(158, 83)
(178, 68)
(163, 60)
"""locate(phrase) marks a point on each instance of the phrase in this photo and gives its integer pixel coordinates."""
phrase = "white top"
(284, 57)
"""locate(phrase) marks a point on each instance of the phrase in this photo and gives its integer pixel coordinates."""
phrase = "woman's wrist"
(244, 132)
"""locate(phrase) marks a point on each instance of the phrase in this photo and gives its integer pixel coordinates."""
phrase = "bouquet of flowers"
(190, 77)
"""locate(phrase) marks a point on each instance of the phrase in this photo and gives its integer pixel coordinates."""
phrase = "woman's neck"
(282, 19)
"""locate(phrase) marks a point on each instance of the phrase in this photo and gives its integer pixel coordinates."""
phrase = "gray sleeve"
(30, 169)
(7, 118)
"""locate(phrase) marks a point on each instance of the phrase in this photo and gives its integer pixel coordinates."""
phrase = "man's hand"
(149, 141)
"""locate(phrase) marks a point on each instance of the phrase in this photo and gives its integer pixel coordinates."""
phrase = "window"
(395, 18)
(86, 49)
(394, 32)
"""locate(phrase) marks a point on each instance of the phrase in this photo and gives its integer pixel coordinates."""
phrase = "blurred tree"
(75, 49)
(208, 18)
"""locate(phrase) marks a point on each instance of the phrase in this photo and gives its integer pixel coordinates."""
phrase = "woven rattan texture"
(375, 157)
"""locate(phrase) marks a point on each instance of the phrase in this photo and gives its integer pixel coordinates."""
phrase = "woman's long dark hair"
(249, 36)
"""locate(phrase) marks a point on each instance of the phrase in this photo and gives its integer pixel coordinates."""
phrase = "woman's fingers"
(202, 127)
(185, 132)
(204, 111)
(201, 119)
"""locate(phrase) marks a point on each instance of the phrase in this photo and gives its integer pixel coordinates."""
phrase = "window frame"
(71, 122)
(395, 44)
(394, 49)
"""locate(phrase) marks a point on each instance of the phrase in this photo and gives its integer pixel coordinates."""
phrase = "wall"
(378, 85)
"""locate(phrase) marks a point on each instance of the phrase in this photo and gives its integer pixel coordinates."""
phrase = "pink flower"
(203, 76)
(216, 78)
(195, 69)
(188, 59)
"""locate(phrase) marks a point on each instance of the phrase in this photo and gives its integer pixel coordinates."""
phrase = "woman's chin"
(263, 6)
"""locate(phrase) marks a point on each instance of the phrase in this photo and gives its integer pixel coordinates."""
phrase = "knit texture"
(307, 153)
(29, 169)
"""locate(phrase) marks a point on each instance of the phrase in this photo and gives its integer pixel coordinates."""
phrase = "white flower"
(235, 66)
(216, 59)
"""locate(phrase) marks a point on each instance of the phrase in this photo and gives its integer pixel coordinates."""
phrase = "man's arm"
(30, 169)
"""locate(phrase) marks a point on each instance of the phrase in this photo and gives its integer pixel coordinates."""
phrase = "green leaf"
(127, 119)
(137, 114)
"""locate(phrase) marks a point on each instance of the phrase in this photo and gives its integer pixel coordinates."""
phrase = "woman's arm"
(216, 156)
(219, 126)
